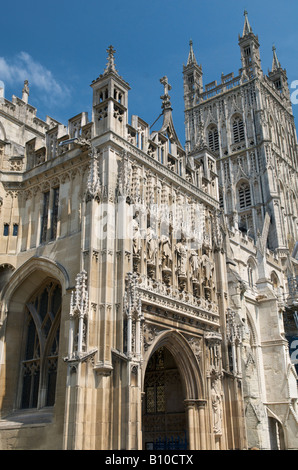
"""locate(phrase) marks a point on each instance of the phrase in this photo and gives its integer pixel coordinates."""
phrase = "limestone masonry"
(148, 292)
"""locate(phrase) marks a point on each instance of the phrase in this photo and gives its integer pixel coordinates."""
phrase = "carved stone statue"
(151, 245)
(194, 263)
(181, 250)
(216, 404)
(136, 235)
(166, 252)
(207, 267)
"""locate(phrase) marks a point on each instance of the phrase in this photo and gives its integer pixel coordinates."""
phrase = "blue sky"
(60, 47)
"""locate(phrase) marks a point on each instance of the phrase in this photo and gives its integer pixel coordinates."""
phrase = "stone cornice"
(182, 309)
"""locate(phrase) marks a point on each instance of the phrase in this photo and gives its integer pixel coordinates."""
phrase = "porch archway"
(173, 408)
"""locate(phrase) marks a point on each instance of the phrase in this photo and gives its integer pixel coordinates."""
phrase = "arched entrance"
(164, 417)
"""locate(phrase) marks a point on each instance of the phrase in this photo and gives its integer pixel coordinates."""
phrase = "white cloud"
(41, 80)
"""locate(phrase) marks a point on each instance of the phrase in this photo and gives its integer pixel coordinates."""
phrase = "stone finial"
(166, 97)
(25, 91)
(111, 61)
(93, 190)
(79, 298)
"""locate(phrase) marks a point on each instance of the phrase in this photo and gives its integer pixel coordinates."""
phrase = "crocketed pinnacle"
(275, 61)
(247, 28)
(191, 56)
(111, 61)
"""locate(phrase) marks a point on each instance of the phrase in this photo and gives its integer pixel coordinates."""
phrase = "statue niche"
(136, 242)
(208, 286)
(166, 258)
(151, 251)
(181, 251)
(194, 264)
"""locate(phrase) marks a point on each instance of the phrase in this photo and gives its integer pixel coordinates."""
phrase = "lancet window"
(213, 140)
(244, 196)
(49, 225)
(238, 130)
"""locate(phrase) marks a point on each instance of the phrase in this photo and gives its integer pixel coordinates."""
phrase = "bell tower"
(110, 100)
(278, 76)
(192, 79)
(193, 89)
(250, 53)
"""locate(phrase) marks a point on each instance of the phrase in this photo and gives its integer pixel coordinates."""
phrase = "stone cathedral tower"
(247, 122)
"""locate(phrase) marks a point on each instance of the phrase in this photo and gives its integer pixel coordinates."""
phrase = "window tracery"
(238, 130)
(40, 357)
(213, 140)
(244, 196)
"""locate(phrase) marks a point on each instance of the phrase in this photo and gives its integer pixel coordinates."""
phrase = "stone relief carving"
(149, 334)
(196, 346)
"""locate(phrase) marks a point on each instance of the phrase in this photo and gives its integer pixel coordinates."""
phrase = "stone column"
(202, 423)
(196, 414)
(192, 424)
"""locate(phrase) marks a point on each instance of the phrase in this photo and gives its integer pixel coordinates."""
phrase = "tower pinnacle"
(247, 28)
(191, 56)
(25, 91)
(111, 61)
(275, 61)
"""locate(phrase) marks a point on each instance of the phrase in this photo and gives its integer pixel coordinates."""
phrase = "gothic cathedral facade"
(148, 290)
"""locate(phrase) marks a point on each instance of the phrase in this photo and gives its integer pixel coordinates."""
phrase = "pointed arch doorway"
(164, 417)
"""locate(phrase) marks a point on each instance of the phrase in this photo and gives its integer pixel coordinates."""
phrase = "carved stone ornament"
(234, 327)
(196, 346)
(149, 334)
(94, 188)
(132, 298)
(79, 306)
(79, 297)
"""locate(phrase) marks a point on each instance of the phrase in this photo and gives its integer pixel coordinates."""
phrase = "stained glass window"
(39, 365)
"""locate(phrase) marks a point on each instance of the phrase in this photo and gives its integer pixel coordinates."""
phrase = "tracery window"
(49, 225)
(244, 196)
(238, 130)
(44, 219)
(40, 356)
(213, 140)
